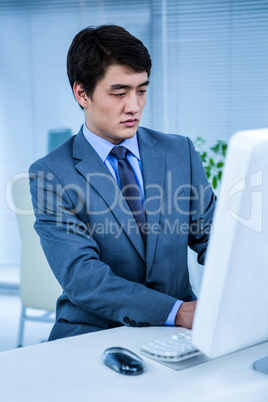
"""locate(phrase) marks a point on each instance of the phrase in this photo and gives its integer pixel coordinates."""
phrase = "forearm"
(75, 258)
(92, 285)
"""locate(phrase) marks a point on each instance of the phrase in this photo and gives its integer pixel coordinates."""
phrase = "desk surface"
(71, 370)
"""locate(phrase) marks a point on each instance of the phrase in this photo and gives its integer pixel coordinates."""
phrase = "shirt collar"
(103, 147)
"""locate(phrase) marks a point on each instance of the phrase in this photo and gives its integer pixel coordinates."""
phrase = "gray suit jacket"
(93, 245)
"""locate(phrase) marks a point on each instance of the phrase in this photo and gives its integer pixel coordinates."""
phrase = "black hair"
(94, 49)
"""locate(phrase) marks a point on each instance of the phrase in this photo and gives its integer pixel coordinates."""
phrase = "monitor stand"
(261, 365)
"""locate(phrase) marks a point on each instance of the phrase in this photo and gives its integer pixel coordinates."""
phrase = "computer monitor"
(232, 310)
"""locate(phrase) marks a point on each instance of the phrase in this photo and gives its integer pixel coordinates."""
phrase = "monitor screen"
(232, 310)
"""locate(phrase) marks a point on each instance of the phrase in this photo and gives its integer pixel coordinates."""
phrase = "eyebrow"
(121, 86)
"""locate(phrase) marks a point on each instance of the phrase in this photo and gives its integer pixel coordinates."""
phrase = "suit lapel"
(153, 168)
(98, 175)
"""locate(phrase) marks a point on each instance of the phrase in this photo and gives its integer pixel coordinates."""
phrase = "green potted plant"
(213, 159)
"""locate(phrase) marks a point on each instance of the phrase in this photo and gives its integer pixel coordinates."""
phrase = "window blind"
(215, 60)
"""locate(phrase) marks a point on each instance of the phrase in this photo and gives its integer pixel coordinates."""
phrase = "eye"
(142, 91)
(119, 95)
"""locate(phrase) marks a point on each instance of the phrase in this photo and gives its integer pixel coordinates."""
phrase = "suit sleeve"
(74, 257)
(202, 206)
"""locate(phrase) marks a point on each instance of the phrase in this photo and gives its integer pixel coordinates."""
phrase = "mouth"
(130, 122)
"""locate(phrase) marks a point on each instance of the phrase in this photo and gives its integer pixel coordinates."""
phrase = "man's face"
(115, 108)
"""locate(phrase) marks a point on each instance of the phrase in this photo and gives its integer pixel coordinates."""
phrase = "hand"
(185, 315)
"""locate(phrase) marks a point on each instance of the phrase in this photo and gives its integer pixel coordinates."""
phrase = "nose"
(132, 104)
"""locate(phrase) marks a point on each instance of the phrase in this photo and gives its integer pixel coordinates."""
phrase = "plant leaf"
(214, 182)
(211, 162)
(224, 149)
(216, 148)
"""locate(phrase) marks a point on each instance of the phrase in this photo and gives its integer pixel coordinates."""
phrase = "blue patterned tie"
(130, 188)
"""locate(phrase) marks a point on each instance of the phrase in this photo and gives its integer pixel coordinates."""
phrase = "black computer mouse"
(123, 361)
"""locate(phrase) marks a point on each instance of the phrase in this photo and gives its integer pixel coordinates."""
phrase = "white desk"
(71, 370)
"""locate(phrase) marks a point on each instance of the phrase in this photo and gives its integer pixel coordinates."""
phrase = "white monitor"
(232, 310)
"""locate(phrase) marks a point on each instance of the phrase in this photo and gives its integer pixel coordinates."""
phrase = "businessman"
(117, 205)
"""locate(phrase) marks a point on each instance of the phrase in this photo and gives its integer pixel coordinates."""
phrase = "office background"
(209, 75)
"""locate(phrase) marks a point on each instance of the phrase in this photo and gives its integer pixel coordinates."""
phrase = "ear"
(80, 95)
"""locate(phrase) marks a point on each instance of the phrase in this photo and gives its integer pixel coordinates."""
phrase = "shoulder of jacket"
(62, 152)
(166, 138)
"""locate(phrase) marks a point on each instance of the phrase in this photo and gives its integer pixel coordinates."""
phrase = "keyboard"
(171, 349)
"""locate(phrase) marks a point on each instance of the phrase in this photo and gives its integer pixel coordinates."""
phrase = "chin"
(130, 132)
(121, 135)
